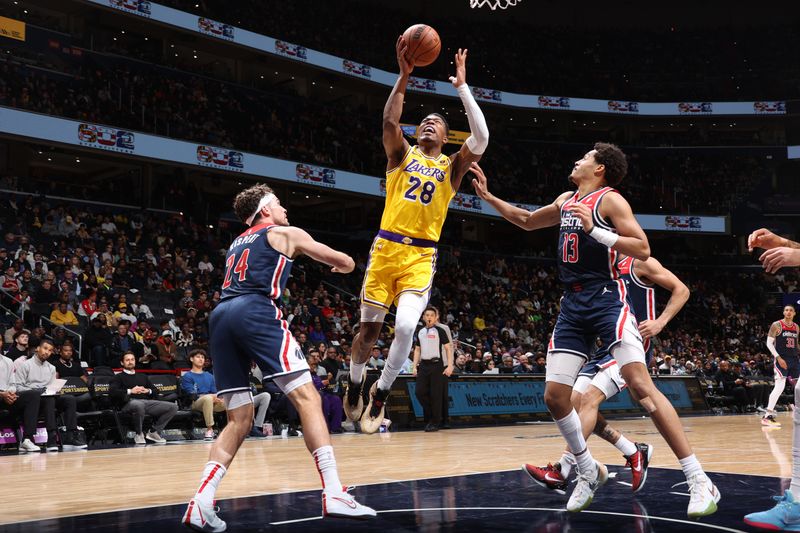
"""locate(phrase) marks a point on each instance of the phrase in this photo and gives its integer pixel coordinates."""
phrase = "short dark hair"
(47, 341)
(247, 201)
(197, 351)
(432, 308)
(611, 157)
(446, 124)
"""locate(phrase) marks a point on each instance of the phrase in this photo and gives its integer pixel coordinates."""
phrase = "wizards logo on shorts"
(222, 158)
(105, 138)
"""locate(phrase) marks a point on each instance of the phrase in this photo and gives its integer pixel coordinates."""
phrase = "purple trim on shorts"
(402, 239)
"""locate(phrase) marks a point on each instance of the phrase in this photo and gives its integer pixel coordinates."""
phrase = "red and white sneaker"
(342, 505)
(200, 517)
(638, 463)
(549, 477)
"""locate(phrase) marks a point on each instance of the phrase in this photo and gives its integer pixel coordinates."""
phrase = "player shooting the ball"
(420, 183)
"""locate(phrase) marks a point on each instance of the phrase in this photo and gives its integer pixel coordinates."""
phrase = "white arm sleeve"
(479, 138)
(771, 347)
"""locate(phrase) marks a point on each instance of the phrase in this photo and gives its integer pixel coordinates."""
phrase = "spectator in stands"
(200, 386)
(136, 395)
(8, 335)
(19, 347)
(36, 374)
(507, 366)
(732, 385)
(140, 309)
(331, 403)
(97, 342)
(459, 367)
(167, 351)
(376, 359)
(88, 305)
(46, 294)
(63, 316)
(540, 365)
(124, 341)
(524, 366)
(491, 368)
(331, 362)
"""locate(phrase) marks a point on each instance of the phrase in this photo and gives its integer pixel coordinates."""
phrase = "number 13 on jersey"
(569, 248)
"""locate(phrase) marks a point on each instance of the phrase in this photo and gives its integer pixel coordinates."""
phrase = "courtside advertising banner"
(351, 67)
(17, 123)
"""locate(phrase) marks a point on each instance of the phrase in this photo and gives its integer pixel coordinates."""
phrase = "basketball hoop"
(493, 4)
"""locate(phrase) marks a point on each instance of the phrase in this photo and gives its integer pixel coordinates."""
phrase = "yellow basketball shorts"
(395, 268)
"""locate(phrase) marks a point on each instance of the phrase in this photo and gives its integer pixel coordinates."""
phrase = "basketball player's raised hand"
(583, 212)
(776, 258)
(763, 238)
(403, 62)
(461, 68)
(479, 182)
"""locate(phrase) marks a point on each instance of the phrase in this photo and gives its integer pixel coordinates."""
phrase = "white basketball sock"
(212, 475)
(570, 428)
(326, 466)
(356, 371)
(625, 446)
(690, 466)
(567, 461)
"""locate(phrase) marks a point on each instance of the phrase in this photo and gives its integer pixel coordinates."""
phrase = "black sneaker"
(353, 400)
(431, 427)
(52, 445)
(78, 442)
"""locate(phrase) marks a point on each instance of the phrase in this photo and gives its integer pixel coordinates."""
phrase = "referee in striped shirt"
(433, 360)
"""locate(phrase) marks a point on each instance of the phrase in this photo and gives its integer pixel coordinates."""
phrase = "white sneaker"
(584, 490)
(203, 518)
(28, 446)
(209, 435)
(155, 438)
(704, 496)
(138, 439)
(342, 505)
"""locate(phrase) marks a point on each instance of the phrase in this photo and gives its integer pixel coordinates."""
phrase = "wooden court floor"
(128, 478)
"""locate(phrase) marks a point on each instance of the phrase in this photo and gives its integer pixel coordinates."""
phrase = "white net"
(493, 4)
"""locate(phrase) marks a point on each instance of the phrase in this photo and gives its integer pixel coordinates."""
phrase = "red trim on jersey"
(275, 291)
(257, 227)
(287, 341)
(786, 327)
(624, 265)
(621, 326)
(651, 304)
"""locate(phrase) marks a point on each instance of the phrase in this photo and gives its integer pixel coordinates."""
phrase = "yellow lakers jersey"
(418, 192)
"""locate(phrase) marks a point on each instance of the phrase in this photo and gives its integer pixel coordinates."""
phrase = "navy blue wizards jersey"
(252, 266)
(786, 341)
(642, 296)
(581, 259)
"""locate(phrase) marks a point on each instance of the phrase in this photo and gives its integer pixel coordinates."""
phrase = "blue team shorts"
(600, 309)
(792, 369)
(250, 328)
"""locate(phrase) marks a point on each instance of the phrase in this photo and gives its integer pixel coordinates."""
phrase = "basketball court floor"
(453, 480)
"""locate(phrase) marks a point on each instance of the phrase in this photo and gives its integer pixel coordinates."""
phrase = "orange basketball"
(423, 43)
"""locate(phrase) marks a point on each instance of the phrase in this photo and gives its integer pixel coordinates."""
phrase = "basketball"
(423, 43)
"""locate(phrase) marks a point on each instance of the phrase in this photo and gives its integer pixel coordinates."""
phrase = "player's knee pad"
(630, 349)
(370, 313)
(289, 382)
(236, 399)
(581, 384)
(563, 367)
(609, 382)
